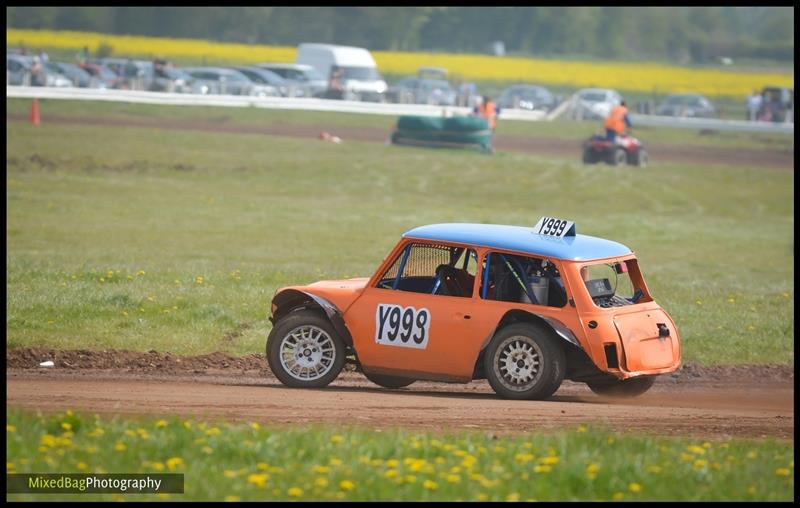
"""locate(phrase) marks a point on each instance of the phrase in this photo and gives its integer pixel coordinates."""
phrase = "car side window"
(432, 269)
(522, 279)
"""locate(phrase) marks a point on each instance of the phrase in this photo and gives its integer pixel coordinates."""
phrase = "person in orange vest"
(616, 121)
(488, 109)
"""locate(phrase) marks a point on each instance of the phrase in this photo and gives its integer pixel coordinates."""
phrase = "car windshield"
(594, 96)
(314, 75)
(361, 73)
(614, 284)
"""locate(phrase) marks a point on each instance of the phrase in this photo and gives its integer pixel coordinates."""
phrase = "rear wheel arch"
(291, 300)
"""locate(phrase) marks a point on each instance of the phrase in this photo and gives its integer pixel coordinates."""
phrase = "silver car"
(530, 97)
(20, 71)
(687, 105)
(416, 90)
(303, 80)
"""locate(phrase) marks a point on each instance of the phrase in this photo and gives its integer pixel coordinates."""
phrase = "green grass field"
(176, 241)
(224, 461)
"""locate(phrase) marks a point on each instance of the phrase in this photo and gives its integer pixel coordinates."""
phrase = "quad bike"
(625, 149)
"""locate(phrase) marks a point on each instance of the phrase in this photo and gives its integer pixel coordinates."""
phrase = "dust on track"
(567, 148)
(709, 402)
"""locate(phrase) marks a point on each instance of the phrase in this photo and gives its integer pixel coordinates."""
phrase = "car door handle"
(464, 316)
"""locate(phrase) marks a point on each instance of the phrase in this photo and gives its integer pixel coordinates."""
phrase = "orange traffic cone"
(35, 111)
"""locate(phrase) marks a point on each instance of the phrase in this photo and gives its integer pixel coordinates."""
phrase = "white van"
(359, 77)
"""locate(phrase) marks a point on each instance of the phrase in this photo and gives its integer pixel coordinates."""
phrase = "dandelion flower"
(782, 471)
(347, 485)
(295, 491)
(634, 487)
(430, 485)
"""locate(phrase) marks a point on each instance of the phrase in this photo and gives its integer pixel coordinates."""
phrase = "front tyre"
(389, 381)
(524, 361)
(304, 351)
(623, 388)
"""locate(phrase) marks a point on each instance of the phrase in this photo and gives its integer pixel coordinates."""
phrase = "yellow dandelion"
(82, 466)
(453, 478)
(263, 466)
(337, 439)
(295, 491)
(140, 273)
(232, 499)
(654, 469)
(320, 469)
(752, 454)
(213, 431)
(700, 463)
(228, 473)
(160, 424)
(430, 485)
(255, 426)
(618, 496)
(347, 485)
(512, 497)
(259, 480)
(392, 463)
(634, 487)
(335, 462)
(391, 473)
(174, 463)
(9, 466)
(782, 471)
(549, 460)
(751, 490)
(698, 302)
(542, 469)
(409, 478)
(321, 482)
(10, 428)
(699, 450)
(482, 497)
(524, 457)
(438, 460)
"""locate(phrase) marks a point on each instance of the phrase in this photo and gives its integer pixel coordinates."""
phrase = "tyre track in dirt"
(564, 148)
(710, 402)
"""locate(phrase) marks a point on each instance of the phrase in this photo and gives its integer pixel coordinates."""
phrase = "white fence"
(176, 99)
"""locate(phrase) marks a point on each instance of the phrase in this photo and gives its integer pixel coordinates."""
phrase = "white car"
(596, 102)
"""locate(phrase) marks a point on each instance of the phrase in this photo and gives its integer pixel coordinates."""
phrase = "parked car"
(597, 102)
(688, 105)
(171, 79)
(302, 80)
(416, 90)
(20, 71)
(359, 76)
(103, 76)
(267, 79)
(530, 97)
(522, 307)
(75, 74)
(221, 80)
(131, 74)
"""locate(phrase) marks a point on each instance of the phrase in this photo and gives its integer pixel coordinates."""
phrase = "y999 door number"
(402, 326)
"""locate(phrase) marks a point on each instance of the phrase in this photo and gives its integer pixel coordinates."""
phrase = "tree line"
(678, 34)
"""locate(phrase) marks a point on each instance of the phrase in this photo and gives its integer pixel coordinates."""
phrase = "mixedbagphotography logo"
(67, 483)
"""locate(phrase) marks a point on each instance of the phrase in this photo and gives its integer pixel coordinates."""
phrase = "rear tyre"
(524, 361)
(304, 350)
(623, 388)
(618, 157)
(389, 381)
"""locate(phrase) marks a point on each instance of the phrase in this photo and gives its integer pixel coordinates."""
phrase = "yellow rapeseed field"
(625, 76)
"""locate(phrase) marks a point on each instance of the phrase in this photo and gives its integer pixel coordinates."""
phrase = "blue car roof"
(521, 239)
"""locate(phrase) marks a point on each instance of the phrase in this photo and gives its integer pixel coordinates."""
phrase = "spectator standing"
(335, 88)
(83, 56)
(37, 72)
(754, 105)
(488, 109)
(43, 56)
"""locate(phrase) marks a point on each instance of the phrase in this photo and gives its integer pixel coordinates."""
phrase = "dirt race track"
(565, 148)
(755, 401)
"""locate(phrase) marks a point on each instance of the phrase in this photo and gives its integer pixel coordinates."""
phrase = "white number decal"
(550, 226)
(402, 326)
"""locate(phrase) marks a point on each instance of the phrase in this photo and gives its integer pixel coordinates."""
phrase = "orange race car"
(521, 307)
